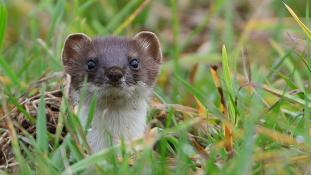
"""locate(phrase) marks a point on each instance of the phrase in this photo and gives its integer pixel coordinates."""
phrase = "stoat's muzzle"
(114, 75)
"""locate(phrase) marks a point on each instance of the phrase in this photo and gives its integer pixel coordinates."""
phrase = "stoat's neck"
(112, 121)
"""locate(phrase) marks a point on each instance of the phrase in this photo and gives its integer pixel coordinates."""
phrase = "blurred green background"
(267, 85)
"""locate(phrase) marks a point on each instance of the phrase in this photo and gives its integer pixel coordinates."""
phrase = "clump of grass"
(212, 112)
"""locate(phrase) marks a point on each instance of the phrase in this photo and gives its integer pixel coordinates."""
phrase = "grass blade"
(176, 28)
(98, 157)
(228, 85)
(244, 159)
(131, 18)
(305, 29)
(287, 96)
(3, 21)
(90, 114)
(117, 20)
(42, 136)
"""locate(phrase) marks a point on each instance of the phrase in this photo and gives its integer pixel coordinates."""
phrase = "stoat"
(120, 72)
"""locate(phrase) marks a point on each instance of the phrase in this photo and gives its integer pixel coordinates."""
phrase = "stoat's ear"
(73, 44)
(150, 43)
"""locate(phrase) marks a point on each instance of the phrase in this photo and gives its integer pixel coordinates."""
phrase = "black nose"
(114, 74)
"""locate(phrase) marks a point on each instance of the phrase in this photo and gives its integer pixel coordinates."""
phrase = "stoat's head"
(112, 66)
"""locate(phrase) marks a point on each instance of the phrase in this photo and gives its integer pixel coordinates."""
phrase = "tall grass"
(262, 125)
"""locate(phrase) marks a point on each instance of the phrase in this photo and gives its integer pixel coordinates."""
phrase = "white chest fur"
(110, 124)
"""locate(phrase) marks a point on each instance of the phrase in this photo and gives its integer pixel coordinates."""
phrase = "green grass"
(267, 92)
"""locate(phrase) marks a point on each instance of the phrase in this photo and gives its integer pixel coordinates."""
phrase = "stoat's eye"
(91, 65)
(134, 64)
